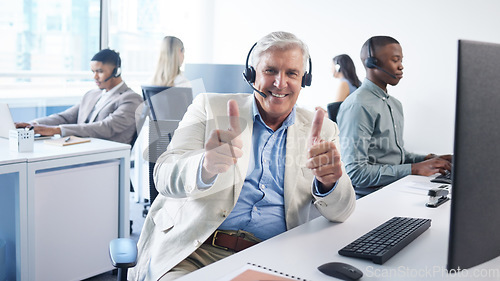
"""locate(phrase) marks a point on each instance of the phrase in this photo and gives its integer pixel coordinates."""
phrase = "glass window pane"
(137, 27)
(46, 51)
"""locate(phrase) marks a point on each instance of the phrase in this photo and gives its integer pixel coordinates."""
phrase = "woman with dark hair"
(344, 69)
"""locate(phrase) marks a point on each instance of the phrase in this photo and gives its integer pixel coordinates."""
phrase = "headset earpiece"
(117, 71)
(370, 61)
(307, 78)
(249, 74)
(118, 68)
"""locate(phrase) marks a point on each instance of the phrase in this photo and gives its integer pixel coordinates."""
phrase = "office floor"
(138, 221)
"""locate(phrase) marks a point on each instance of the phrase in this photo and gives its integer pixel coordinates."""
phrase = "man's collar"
(376, 90)
(289, 121)
(114, 89)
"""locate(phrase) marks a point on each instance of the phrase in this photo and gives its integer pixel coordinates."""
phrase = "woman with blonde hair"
(168, 71)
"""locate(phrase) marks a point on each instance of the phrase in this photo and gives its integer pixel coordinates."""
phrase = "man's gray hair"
(279, 40)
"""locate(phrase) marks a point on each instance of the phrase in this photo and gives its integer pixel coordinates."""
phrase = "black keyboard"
(443, 178)
(386, 240)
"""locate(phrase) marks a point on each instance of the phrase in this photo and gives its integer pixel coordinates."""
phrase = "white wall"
(428, 31)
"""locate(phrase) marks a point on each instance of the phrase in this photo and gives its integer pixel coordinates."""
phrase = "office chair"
(160, 135)
(139, 125)
(167, 103)
(333, 110)
(167, 106)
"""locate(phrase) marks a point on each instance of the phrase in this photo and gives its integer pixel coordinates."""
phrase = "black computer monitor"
(475, 206)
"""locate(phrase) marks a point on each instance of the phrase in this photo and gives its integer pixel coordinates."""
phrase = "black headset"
(250, 74)
(370, 61)
(117, 71)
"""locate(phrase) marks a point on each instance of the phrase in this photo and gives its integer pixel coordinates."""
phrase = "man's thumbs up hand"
(224, 147)
(323, 156)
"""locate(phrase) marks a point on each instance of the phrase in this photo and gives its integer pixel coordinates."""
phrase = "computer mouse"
(341, 271)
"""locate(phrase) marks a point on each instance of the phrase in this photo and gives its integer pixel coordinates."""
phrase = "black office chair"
(333, 110)
(167, 103)
(160, 135)
(139, 124)
(167, 106)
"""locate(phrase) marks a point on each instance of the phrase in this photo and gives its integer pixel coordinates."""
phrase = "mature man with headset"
(371, 124)
(106, 113)
(242, 168)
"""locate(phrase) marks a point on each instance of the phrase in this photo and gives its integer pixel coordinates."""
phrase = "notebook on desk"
(65, 141)
(7, 123)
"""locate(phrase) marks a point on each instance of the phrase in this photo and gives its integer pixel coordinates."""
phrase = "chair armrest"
(123, 252)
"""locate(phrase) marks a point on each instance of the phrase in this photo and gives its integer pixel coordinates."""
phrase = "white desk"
(301, 250)
(65, 205)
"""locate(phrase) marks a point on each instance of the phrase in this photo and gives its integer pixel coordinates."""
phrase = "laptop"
(7, 123)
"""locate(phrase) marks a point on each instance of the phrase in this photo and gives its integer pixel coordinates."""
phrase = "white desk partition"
(67, 203)
(300, 251)
(12, 222)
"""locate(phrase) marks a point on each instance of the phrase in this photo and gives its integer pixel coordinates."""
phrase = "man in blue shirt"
(242, 168)
(371, 124)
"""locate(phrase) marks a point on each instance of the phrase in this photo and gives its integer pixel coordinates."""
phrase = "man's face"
(390, 58)
(279, 75)
(101, 73)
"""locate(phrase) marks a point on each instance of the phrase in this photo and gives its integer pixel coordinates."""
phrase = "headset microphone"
(387, 72)
(111, 76)
(261, 93)
(371, 62)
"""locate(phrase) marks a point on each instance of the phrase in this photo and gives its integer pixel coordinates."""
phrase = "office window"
(135, 31)
(137, 27)
(45, 51)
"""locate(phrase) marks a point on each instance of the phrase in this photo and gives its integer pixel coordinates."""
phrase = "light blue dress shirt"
(260, 208)
(371, 137)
